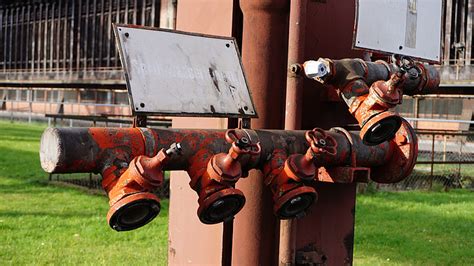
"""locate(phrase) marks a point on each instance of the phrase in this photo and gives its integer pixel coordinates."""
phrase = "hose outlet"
(132, 203)
(380, 128)
(295, 203)
(221, 206)
(133, 211)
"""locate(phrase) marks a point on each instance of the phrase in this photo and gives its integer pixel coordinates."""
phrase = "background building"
(59, 57)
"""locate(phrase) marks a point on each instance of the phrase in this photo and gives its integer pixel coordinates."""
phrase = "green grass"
(417, 228)
(45, 224)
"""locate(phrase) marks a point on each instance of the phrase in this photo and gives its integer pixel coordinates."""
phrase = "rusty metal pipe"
(346, 70)
(370, 98)
(293, 109)
(126, 159)
(92, 150)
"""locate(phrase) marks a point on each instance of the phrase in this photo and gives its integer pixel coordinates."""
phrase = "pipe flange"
(221, 206)
(402, 158)
(295, 203)
(380, 128)
(134, 211)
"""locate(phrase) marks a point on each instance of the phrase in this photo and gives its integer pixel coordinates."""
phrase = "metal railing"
(445, 160)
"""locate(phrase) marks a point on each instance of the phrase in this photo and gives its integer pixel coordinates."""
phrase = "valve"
(132, 204)
(369, 97)
(218, 199)
(379, 123)
(301, 167)
(291, 195)
(226, 167)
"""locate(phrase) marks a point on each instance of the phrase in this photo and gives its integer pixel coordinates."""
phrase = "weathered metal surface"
(132, 203)
(288, 175)
(411, 27)
(183, 73)
(403, 158)
(80, 150)
(218, 199)
(119, 154)
(264, 50)
(209, 244)
(293, 108)
(326, 235)
(372, 106)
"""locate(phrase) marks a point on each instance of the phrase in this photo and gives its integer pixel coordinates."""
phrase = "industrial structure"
(58, 62)
(59, 57)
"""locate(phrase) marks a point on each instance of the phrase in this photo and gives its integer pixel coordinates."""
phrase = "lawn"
(417, 228)
(42, 223)
(46, 224)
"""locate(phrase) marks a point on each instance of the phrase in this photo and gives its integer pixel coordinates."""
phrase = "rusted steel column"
(264, 48)
(293, 108)
(294, 82)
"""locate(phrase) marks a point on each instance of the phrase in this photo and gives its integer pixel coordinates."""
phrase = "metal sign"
(405, 27)
(183, 74)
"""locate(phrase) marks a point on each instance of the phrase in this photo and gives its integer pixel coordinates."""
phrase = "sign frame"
(248, 111)
(380, 51)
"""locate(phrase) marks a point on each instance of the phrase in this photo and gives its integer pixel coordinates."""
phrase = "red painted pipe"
(126, 159)
(85, 150)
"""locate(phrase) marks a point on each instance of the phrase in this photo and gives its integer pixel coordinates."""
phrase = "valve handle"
(243, 144)
(407, 65)
(321, 142)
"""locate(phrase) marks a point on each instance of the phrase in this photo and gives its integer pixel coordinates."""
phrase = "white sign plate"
(183, 74)
(405, 27)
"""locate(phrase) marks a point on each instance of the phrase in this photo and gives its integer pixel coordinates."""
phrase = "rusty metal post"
(293, 109)
(264, 41)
